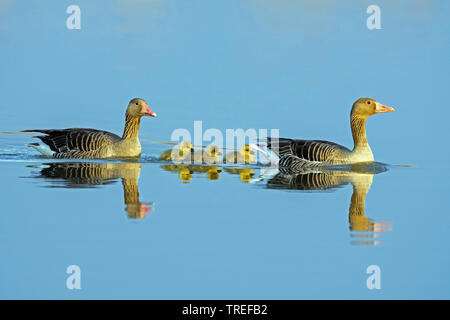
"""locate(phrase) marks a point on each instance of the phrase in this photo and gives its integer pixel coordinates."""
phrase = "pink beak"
(382, 108)
(147, 112)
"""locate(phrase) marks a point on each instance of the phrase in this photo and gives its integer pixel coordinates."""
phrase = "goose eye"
(136, 103)
(368, 102)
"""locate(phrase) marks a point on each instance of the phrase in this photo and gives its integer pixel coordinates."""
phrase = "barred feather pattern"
(91, 174)
(299, 154)
(77, 143)
(80, 173)
(319, 180)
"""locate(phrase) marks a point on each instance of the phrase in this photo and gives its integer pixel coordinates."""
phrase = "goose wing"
(75, 140)
(309, 150)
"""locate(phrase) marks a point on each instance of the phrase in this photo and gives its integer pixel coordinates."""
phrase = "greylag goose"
(82, 143)
(181, 153)
(245, 155)
(298, 154)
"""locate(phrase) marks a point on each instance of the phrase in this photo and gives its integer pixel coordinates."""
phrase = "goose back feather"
(77, 143)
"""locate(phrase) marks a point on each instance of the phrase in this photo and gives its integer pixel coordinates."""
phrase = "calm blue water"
(152, 230)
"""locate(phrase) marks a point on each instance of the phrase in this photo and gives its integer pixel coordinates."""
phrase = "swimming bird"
(245, 155)
(212, 154)
(299, 154)
(181, 153)
(83, 143)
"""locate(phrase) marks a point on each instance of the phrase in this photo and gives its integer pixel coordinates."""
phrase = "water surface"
(155, 230)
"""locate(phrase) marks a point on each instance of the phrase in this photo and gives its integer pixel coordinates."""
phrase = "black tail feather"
(279, 146)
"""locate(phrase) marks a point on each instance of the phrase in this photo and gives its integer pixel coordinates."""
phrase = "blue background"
(293, 65)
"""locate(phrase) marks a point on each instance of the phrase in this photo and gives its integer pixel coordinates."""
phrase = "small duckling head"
(213, 151)
(248, 153)
(212, 154)
(247, 150)
(182, 151)
(185, 146)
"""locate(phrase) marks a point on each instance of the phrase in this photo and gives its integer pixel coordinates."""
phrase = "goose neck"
(131, 127)
(358, 126)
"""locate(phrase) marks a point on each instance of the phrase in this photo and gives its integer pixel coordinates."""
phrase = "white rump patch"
(43, 148)
(267, 153)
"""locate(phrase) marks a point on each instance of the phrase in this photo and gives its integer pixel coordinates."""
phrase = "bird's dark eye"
(368, 102)
(136, 103)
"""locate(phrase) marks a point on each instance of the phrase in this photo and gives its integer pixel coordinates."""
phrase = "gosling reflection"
(185, 171)
(361, 178)
(90, 174)
(245, 174)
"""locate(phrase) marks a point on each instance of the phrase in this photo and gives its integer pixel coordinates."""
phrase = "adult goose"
(81, 143)
(300, 154)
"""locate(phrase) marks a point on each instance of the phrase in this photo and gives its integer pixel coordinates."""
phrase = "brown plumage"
(299, 154)
(80, 143)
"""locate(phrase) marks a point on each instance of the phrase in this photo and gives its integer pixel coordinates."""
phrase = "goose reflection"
(359, 175)
(91, 174)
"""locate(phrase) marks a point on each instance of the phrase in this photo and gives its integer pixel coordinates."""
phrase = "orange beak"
(382, 108)
(147, 112)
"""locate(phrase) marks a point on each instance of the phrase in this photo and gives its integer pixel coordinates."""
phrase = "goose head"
(139, 108)
(185, 146)
(366, 107)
